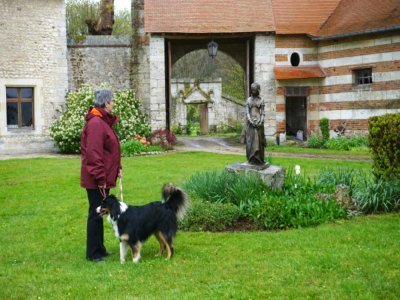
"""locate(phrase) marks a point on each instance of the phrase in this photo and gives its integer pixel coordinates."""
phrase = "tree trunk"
(105, 20)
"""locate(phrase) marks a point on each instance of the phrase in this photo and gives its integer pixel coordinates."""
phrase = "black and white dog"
(133, 225)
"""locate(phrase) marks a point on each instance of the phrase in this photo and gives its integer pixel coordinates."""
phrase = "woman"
(255, 138)
(101, 165)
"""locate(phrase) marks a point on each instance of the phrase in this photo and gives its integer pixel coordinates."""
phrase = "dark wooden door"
(203, 118)
(296, 115)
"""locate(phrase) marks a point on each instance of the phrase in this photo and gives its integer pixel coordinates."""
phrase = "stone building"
(33, 72)
(313, 59)
(335, 59)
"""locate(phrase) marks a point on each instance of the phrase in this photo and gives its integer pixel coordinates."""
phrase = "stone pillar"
(264, 61)
(139, 71)
(157, 82)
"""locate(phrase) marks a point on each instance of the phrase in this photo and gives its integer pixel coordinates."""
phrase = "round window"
(295, 59)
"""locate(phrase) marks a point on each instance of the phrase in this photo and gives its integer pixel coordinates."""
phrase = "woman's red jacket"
(100, 150)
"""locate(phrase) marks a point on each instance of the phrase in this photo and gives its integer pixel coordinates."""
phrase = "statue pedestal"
(272, 176)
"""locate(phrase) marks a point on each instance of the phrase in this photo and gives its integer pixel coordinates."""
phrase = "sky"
(122, 4)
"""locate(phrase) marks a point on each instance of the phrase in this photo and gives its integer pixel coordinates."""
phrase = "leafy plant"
(210, 216)
(227, 187)
(324, 126)
(298, 210)
(335, 176)
(133, 147)
(315, 141)
(378, 195)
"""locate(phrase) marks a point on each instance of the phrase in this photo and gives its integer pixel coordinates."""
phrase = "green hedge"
(384, 140)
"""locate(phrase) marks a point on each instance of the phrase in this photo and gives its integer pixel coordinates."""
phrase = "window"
(295, 59)
(363, 76)
(20, 107)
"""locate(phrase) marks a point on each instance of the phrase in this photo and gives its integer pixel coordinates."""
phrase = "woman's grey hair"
(101, 97)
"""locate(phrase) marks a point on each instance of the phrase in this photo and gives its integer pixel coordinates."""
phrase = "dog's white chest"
(114, 225)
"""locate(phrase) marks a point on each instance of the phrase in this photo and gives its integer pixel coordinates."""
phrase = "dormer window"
(363, 76)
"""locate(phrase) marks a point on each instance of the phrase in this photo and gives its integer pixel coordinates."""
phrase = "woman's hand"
(120, 173)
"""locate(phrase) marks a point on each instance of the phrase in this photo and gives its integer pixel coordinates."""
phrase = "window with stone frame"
(363, 76)
(20, 107)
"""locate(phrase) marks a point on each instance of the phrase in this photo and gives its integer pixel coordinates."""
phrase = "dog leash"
(120, 189)
(103, 192)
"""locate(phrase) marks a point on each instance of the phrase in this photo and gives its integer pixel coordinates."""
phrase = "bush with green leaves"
(66, 132)
(315, 141)
(324, 126)
(384, 140)
(210, 216)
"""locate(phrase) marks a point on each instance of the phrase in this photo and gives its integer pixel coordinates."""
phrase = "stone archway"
(214, 112)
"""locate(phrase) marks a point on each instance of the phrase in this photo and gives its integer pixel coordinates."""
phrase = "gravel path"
(213, 144)
(225, 146)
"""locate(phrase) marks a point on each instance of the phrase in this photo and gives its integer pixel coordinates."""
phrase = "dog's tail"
(175, 199)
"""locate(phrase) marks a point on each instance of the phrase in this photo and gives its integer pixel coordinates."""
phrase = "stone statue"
(254, 135)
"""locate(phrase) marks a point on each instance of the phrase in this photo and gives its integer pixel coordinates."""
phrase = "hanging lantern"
(212, 48)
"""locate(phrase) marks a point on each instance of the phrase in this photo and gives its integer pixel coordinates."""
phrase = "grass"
(298, 149)
(43, 243)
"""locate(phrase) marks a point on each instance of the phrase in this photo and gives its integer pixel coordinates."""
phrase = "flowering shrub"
(129, 110)
(163, 137)
(66, 132)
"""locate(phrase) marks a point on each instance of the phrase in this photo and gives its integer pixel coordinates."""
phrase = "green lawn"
(42, 243)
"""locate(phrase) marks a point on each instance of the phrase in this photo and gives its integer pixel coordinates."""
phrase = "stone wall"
(99, 60)
(33, 53)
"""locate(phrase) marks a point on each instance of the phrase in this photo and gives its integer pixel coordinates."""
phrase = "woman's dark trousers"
(95, 230)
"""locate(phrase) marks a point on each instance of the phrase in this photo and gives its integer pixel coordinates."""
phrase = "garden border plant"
(304, 201)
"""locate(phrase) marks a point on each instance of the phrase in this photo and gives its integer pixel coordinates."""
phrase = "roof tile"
(208, 16)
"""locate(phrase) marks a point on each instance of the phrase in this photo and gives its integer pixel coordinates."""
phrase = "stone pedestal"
(272, 176)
